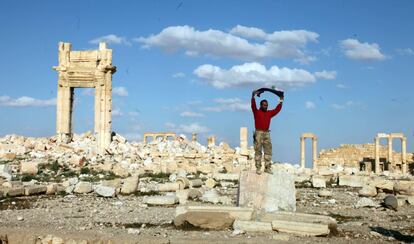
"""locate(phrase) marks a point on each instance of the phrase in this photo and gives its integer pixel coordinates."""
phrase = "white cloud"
(310, 105)
(341, 86)
(406, 51)
(248, 32)
(347, 104)
(26, 102)
(110, 39)
(88, 92)
(178, 75)
(191, 114)
(229, 104)
(187, 128)
(117, 112)
(279, 44)
(327, 75)
(133, 114)
(120, 91)
(253, 74)
(356, 50)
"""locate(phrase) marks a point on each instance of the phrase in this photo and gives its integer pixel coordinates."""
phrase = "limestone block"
(300, 228)
(270, 192)
(130, 185)
(365, 202)
(325, 193)
(227, 177)
(211, 196)
(318, 181)
(404, 188)
(210, 183)
(30, 168)
(161, 200)
(5, 171)
(368, 191)
(119, 170)
(169, 186)
(14, 192)
(252, 226)
(351, 180)
(196, 183)
(51, 189)
(299, 217)
(183, 182)
(382, 184)
(105, 191)
(33, 190)
(211, 217)
(182, 196)
(83, 187)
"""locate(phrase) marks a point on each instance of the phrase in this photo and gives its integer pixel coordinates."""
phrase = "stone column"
(377, 161)
(211, 141)
(64, 112)
(390, 159)
(404, 155)
(302, 152)
(194, 137)
(315, 153)
(243, 141)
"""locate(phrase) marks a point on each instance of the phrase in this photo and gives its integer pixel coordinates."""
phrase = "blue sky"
(346, 67)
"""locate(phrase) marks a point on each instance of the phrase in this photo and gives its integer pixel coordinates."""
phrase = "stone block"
(227, 177)
(34, 190)
(130, 185)
(5, 171)
(211, 217)
(210, 183)
(318, 181)
(161, 200)
(252, 226)
(368, 191)
(169, 186)
(14, 192)
(300, 228)
(270, 192)
(351, 180)
(404, 188)
(239, 213)
(83, 187)
(30, 168)
(105, 191)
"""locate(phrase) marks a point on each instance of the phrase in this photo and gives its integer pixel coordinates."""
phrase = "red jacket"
(262, 119)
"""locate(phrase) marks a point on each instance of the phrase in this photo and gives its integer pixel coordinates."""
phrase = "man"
(261, 135)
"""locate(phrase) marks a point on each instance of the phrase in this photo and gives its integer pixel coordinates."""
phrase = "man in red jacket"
(261, 136)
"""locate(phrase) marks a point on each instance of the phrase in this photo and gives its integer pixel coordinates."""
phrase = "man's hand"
(281, 99)
(256, 93)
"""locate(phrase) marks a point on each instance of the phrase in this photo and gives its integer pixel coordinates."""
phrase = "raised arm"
(278, 108)
(253, 102)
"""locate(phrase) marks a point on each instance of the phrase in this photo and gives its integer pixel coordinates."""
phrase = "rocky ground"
(126, 219)
(68, 193)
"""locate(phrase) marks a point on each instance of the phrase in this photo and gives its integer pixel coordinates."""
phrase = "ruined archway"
(85, 69)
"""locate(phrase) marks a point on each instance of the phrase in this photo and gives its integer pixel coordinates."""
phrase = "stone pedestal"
(269, 192)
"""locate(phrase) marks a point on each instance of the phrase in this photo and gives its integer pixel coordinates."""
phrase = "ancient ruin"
(390, 164)
(85, 69)
(314, 149)
(163, 136)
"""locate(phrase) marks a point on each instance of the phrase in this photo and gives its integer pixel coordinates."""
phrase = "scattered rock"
(325, 193)
(391, 202)
(105, 191)
(365, 202)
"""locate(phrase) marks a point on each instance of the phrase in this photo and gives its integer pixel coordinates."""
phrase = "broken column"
(269, 192)
(194, 137)
(211, 141)
(302, 152)
(243, 141)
